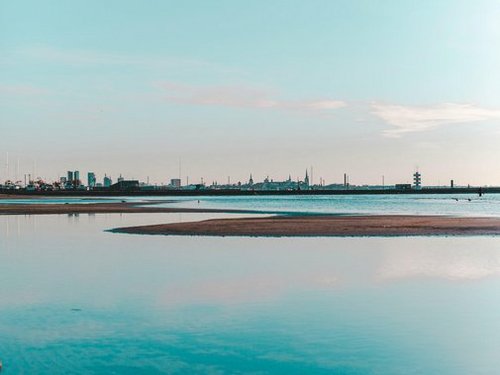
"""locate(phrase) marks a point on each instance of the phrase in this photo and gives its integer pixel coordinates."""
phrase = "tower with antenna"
(417, 180)
(7, 167)
(180, 169)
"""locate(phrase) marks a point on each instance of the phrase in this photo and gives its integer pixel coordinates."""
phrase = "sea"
(77, 299)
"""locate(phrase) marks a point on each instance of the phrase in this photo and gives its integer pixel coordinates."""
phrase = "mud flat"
(101, 208)
(320, 226)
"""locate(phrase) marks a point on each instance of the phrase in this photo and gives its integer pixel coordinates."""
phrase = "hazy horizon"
(264, 87)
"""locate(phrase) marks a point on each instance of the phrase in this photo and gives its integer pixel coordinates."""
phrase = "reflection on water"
(76, 299)
(450, 262)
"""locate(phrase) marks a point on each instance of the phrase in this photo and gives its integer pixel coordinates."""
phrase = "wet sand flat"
(298, 226)
(100, 208)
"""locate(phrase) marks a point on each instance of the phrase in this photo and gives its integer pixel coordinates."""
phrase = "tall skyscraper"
(91, 180)
(107, 181)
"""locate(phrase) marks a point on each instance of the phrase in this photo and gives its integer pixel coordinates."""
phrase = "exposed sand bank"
(14, 196)
(100, 208)
(298, 226)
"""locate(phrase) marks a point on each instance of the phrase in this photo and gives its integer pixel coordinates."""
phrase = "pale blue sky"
(370, 88)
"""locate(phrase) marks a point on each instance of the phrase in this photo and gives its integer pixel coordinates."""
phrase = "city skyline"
(71, 179)
(15, 171)
(374, 89)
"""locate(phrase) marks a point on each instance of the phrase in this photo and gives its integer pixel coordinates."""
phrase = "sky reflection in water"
(75, 299)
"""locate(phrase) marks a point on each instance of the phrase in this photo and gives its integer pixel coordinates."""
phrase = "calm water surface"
(75, 299)
(420, 204)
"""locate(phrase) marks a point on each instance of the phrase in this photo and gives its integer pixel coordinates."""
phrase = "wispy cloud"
(242, 97)
(21, 90)
(411, 119)
(84, 57)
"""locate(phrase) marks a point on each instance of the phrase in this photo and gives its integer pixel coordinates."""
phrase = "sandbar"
(327, 226)
(102, 208)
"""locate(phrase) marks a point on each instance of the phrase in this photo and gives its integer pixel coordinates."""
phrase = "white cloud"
(410, 119)
(242, 97)
(21, 90)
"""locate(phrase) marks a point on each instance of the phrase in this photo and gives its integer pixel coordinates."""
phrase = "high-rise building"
(306, 179)
(73, 178)
(91, 180)
(107, 182)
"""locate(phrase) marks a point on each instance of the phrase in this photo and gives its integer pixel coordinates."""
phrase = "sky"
(229, 88)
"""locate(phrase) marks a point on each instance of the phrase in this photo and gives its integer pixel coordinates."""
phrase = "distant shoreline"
(327, 226)
(5, 194)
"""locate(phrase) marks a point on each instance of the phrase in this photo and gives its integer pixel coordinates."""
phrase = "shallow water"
(420, 204)
(77, 300)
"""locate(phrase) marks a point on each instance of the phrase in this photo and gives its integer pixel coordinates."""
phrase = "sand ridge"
(325, 225)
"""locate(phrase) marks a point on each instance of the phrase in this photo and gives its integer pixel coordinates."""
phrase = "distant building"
(73, 179)
(403, 186)
(91, 180)
(306, 179)
(270, 184)
(107, 182)
(126, 185)
(175, 183)
(120, 179)
(417, 180)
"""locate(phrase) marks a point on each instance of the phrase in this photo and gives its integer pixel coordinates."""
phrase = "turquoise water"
(435, 204)
(75, 299)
